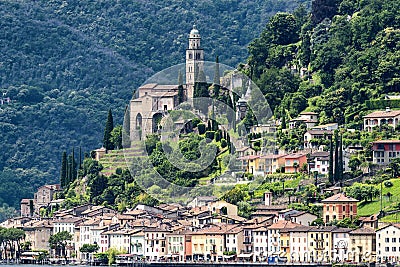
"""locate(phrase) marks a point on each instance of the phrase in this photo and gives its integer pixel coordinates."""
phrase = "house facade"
(383, 151)
(338, 207)
(378, 118)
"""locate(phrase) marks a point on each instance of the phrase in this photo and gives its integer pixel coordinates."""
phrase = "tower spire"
(194, 60)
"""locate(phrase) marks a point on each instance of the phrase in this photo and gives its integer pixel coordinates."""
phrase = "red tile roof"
(339, 198)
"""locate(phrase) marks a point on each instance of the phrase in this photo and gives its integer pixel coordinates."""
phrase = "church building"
(153, 100)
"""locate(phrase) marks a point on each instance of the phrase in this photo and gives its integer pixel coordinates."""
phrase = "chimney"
(267, 198)
(387, 109)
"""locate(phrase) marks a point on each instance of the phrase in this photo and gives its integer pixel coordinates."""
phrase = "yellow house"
(320, 243)
(251, 164)
(271, 163)
(285, 243)
(209, 243)
(362, 245)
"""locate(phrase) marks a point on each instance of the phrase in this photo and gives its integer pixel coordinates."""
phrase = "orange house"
(292, 160)
(338, 207)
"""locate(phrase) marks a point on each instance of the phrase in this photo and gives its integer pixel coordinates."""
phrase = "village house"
(155, 243)
(271, 163)
(274, 236)
(378, 118)
(340, 244)
(319, 162)
(234, 240)
(264, 128)
(338, 207)
(176, 245)
(312, 138)
(260, 242)
(320, 243)
(310, 119)
(250, 164)
(362, 245)
(26, 206)
(137, 242)
(70, 225)
(201, 201)
(383, 151)
(299, 244)
(303, 218)
(295, 161)
(388, 243)
(38, 233)
(326, 127)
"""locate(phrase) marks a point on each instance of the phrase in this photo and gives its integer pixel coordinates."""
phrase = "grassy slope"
(369, 208)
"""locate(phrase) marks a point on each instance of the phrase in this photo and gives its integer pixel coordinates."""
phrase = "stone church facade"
(153, 100)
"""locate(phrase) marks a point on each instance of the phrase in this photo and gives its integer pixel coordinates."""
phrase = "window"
(344, 208)
(394, 239)
(387, 239)
(394, 249)
(387, 249)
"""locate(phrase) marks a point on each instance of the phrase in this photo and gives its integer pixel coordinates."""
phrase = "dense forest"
(63, 64)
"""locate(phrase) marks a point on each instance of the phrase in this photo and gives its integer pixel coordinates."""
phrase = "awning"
(229, 256)
(245, 255)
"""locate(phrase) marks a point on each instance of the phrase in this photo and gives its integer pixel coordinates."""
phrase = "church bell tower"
(194, 60)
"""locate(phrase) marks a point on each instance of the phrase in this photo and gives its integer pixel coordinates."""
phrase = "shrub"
(223, 143)
(201, 127)
(388, 184)
(210, 135)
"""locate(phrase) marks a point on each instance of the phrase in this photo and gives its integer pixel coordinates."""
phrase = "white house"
(234, 239)
(260, 242)
(69, 225)
(388, 243)
(138, 243)
(155, 243)
(299, 251)
(340, 244)
(176, 245)
(319, 162)
(378, 118)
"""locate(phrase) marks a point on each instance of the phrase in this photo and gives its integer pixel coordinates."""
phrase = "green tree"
(394, 165)
(116, 137)
(107, 144)
(89, 248)
(181, 93)
(340, 159)
(336, 172)
(59, 242)
(63, 172)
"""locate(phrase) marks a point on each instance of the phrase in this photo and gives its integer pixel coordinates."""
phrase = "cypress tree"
(80, 158)
(340, 160)
(126, 128)
(336, 173)
(330, 173)
(217, 78)
(63, 173)
(107, 132)
(73, 165)
(283, 124)
(181, 95)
